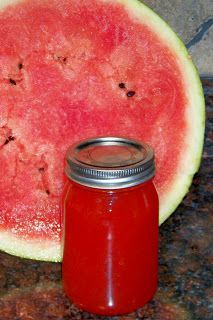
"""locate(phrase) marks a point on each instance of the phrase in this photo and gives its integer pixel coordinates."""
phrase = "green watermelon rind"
(50, 250)
(196, 109)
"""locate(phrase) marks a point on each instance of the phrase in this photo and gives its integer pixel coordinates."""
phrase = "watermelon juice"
(111, 226)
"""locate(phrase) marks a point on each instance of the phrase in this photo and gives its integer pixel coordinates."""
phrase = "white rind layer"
(44, 250)
(5, 3)
(195, 117)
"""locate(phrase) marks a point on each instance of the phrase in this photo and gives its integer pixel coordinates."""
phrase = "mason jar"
(110, 260)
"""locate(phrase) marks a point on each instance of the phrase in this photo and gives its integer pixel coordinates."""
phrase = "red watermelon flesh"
(62, 64)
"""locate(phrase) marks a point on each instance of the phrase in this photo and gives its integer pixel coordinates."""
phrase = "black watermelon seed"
(122, 85)
(20, 66)
(47, 191)
(130, 93)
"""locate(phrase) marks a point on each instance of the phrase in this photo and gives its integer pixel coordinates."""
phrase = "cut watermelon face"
(76, 69)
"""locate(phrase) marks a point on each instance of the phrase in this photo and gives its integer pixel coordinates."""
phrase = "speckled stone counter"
(31, 290)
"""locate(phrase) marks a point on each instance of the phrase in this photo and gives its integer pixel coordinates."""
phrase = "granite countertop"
(31, 290)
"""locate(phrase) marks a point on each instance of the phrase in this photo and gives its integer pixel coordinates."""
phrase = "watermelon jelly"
(111, 225)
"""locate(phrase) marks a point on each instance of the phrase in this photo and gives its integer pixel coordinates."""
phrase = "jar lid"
(110, 162)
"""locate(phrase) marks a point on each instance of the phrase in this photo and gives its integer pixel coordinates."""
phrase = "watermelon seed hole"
(62, 59)
(10, 138)
(41, 169)
(13, 82)
(122, 85)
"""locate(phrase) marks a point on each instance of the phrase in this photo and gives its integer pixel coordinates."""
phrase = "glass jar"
(110, 261)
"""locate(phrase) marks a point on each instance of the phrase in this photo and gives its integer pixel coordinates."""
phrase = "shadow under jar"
(110, 260)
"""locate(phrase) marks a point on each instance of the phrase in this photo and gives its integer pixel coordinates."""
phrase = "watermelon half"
(73, 69)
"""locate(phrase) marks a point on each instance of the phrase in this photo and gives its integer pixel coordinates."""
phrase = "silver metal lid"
(110, 162)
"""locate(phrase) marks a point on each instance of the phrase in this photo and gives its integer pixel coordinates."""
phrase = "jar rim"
(110, 162)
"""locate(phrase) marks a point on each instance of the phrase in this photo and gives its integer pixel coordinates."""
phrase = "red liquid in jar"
(111, 245)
